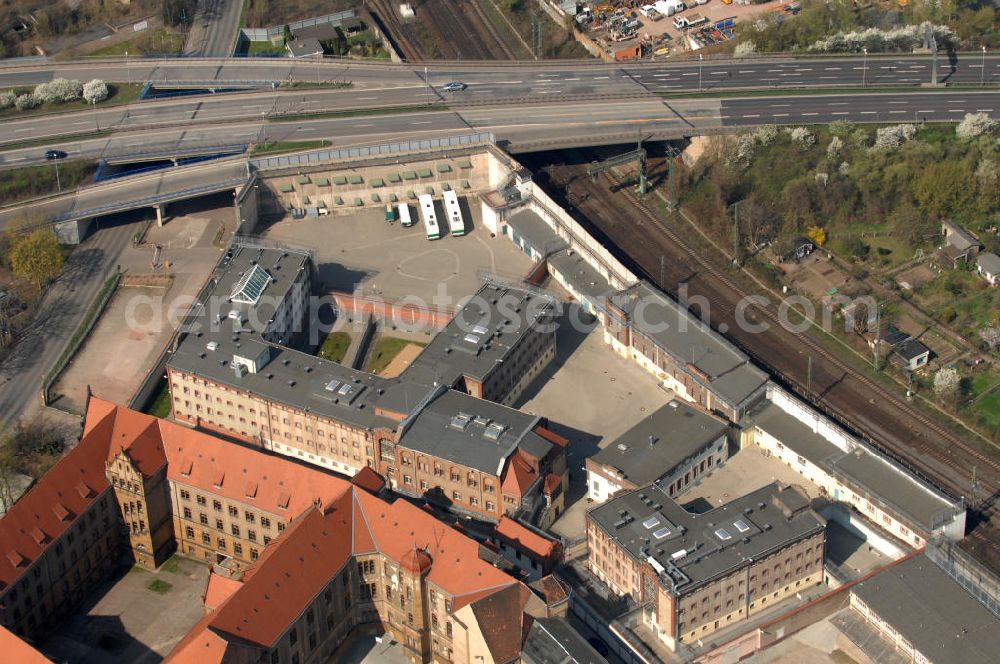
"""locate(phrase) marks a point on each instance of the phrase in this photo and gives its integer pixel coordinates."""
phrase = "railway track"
(850, 397)
(461, 32)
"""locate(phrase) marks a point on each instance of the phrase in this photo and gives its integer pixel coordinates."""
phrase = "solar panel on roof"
(332, 385)
(723, 534)
(661, 533)
(472, 339)
(742, 526)
(480, 329)
(344, 389)
(651, 522)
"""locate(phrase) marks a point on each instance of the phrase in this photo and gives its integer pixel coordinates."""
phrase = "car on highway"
(55, 154)
(454, 86)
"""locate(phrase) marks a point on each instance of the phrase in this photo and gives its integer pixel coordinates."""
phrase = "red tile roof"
(551, 436)
(520, 475)
(272, 483)
(219, 589)
(534, 545)
(56, 499)
(369, 480)
(287, 577)
(501, 619)
(16, 650)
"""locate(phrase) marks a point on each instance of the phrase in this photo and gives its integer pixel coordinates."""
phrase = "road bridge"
(72, 214)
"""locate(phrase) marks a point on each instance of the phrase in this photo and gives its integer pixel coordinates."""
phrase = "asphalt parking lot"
(362, 251)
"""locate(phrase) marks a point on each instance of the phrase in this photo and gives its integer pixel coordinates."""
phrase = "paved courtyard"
(591, 396)
(361, 250)
(129, 623)
(747, 470)
(126, 340)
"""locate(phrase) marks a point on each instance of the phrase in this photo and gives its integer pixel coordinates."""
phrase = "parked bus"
(428, 216)
(456, 225)
(404, 215)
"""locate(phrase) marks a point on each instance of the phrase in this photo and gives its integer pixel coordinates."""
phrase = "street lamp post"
(58, 183)
(982, 69)
(700, 61)
(864, 69)
(128, 69)
(263, 127)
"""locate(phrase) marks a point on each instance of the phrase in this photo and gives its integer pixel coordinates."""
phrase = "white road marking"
(869, 112)
(897, 111)
(781, 115)
(571, 79)
(422, 122)
(841, 113)
(810, 114)
(831, 68)
(755, 115)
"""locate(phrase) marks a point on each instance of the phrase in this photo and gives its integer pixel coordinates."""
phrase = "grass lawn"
(118, 93)
(21, 183)
(159, 587)
(263, 49)
(385, 350)
(988, 407)
(160, 405)
(279, 147)
(157, 42)
(335, 346)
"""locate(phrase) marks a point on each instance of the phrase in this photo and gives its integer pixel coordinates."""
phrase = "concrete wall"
(72, 232)
(247, 209)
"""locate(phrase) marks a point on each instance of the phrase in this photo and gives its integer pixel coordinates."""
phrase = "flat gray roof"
(480, 335)
(877, 476)
(230, 328)
(931, 611)
(678, 431)
(729, 372)
(536, 233)
(580, 273)
(796, 436)
(893, 485)
(694, 549)
(472, 432)
(290, 376)
(554, 641)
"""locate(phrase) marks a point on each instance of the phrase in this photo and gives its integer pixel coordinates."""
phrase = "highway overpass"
(72, 214)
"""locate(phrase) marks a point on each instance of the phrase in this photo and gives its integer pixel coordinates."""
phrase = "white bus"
(456, 225)
(404, 215)
(429, 217)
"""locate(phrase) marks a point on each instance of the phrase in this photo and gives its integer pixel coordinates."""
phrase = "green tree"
(945, 188)
(36, 256)
(912, 227)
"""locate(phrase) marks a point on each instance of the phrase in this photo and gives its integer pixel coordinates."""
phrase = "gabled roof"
(316, 546)
(57, 498)
(16, 650)
(520, 537)
(519, 477)
(989, 263)
(219, 589)
(287, 577)
(501, 620)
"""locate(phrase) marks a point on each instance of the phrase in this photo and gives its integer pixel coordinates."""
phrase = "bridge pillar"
(161, 214)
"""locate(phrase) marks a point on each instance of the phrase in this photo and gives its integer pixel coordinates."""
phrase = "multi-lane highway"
(525, 125)
(550, 77)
